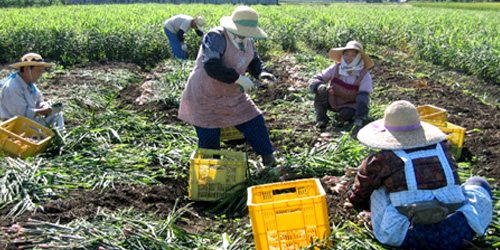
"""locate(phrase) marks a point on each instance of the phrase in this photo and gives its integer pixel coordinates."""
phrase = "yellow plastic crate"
(213, 173)
(288, 215)
(455, 134)
(432, 114)
(22, 137)
(230, 133)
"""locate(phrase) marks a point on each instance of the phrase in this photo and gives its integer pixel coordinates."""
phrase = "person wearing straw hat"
(412, 187)
(178, 25)
(215, 95)
(19, 95)
(344, 87)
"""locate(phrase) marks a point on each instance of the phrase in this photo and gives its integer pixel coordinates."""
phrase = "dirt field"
(464, 110)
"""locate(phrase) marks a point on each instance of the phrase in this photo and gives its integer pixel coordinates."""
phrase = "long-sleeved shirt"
(326, 76)
(393, 179)
(180, 24)
(385, 169)
(214, 47)
(19, 99)
(210, 100)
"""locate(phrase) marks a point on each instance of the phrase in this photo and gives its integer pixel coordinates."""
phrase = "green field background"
(461, 39)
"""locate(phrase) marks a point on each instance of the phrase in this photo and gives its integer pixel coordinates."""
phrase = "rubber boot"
(358, 124)
(321, 117)
(347, 114)
(268, 160)
(321, 107)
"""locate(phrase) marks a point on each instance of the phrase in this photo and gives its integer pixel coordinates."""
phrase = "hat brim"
(32, 63)
(336, 55)
(241, 30)
(375, 135)
(201, 28)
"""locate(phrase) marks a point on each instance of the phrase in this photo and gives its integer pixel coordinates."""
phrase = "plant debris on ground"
(287, 108)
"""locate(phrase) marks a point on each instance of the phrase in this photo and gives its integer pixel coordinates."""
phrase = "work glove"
(245, 83)
(268, 76)
(56, 107)
(322, 89)
(184, 47)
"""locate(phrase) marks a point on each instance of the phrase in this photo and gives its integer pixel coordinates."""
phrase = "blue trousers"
(255, 132)
(177, 51)
(452, 233)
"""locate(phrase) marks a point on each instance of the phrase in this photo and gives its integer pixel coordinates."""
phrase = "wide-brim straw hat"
(32, 59)
(400, 128)
(243, 22)
(336, 53)
(200, 22)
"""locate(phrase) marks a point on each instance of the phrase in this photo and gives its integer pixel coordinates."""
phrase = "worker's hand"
(43, 112)
(268, 76)
(365, 216)
(348, 205)
(340, 187)
(322, 89)
(184, 47)
(245, 83)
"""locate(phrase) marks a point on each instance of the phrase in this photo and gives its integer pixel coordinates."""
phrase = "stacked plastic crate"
(439, 117)
(230, 133)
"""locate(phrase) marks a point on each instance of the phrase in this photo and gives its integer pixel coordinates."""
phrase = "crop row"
(491, 6)
(464, 40)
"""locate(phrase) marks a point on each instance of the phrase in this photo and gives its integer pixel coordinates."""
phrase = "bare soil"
(482, 143)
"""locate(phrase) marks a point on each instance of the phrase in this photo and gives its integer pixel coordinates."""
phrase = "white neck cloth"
(356, 64)
(238, 42)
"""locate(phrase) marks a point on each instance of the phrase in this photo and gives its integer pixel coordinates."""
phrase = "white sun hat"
(336, 53)
(243, 22)
(400, 128)
(32, 59)
(200, 22)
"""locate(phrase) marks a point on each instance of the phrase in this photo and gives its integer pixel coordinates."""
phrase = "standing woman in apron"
(216, 96)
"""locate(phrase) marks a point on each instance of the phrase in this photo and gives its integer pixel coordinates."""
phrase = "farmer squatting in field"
(344, 87)
(175, 28)
(412, 187)
(19, 95)
(215, 94)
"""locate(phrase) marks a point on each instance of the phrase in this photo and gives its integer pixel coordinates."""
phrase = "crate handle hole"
(284, 191)
(33, 127)
(217, 167)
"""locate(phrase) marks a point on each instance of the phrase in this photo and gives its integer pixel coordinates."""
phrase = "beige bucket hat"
(336, 53)
(200, 22)
(32, 59)
(400, 128)
(243, 22)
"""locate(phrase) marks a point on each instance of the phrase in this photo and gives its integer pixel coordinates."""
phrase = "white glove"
(184, 47)
(245, 83)
(56, 108)
(266, 75)
(322, 89)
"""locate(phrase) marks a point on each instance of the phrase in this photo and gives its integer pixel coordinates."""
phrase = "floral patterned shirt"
(387, 170)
